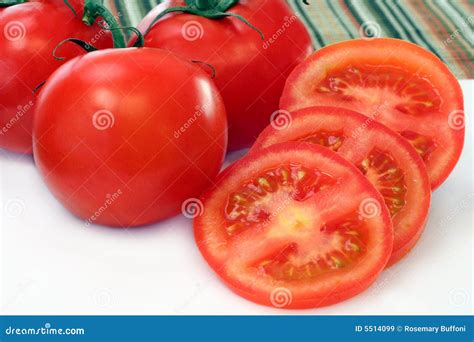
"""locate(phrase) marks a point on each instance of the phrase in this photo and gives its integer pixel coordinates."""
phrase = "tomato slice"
(389, 162)
(295, 226)
(395, 82)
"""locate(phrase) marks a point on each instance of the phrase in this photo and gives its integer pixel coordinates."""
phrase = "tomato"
(123, 136)
(296, 226)
(395, 82)
(389, 162)
(250, 73)
(29, 32)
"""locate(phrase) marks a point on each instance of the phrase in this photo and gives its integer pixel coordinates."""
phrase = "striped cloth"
(445, 27)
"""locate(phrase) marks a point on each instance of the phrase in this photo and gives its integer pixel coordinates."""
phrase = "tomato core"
(255, 200)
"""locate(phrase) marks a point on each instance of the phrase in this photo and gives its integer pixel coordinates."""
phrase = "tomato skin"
(126, 121)
(249, 75)
(29, 35)
(218, 250)
(361, 136)
(445, 125)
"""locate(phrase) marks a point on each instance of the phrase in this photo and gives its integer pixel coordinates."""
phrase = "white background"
(52, 264)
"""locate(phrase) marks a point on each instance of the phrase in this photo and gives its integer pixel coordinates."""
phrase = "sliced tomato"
(395, 82)
(295, 226)
(390, 163)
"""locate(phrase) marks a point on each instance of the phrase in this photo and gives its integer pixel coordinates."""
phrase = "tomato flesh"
(400, 90)
(290, 216)
(385, 158)
(342, 245)
(387, 177)
(394, 82)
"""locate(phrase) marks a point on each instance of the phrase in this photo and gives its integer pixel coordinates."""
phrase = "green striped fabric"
(445, 27)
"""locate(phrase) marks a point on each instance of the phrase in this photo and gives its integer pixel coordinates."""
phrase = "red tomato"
(29, 32)
(399, 84)
(251, 73)
(295, 226)
(123, 136)
(390, 163)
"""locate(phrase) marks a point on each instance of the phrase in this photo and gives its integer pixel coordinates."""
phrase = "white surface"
(52, 264)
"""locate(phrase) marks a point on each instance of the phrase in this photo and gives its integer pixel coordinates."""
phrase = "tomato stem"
(90, 48)
(66, 2)
(86, 46)
(210, 9)
(94, 9)
(213, 70)
(8, 3)
(38, 87)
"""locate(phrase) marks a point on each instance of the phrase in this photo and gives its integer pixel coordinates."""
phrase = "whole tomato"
(29, 32)
(127, 137)
(250, 72)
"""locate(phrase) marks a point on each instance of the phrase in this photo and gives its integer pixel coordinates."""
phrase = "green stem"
(86, 46)
(211, 9)
(94, 9)
(8, 3)
(70, 7)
